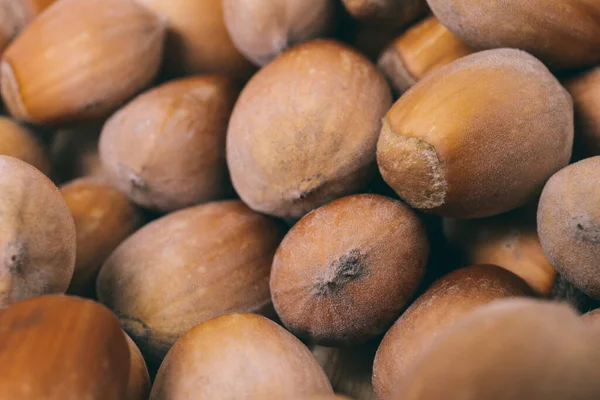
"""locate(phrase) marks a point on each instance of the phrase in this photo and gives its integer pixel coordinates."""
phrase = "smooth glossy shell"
(507, 240)
(345, 271)
(425, 47)
(446, 301)
(239, 356)
(103, 217)
(37, 234)
(80, 60)
(188, 267)
(304, 129)
(569, 224)
(477, 137)
(139, 384)
(510, 349)
(198, 41)
(60, 347)
(22, 143)
(166, 148)
(565, 34)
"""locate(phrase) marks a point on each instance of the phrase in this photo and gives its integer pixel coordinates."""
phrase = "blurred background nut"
(80, 60)
(198, 41)
(21, 142)
(62, 347)
(103, 217)
(425, 47)
(564, 34)
(262, 29)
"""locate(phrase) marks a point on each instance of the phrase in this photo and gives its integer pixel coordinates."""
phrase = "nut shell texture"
(477, 137)
(166, 149)
(445, 302)
(80, 60)
(262, 29)
(569, 224)
(564, 34)
(188, 267)
(239, 356)
(510, 349)
(345, 271)
(304, 129)
(62, 348)
(37, 234)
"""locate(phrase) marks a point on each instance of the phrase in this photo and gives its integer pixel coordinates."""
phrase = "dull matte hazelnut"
(62, 347)
(94, 55)
(304, 129)
(166, 149)
(198, 41)
(345, 271)
(188, 267)
(21, 142)
(569, 224)
(585, 90)
(446, 301)
(37, 234)
(239, 356)
(562, 33)
(425, 47)
(262, 29)
(103, 217)
(477, 137)
(507, 240)
(510, 349)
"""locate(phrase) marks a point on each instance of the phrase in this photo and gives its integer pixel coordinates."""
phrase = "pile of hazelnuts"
(300, 199)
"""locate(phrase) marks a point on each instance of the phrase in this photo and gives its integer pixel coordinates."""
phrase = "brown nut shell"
(585, 90)
(511, 349)
(477, 137)
(37, 234)
(425, 47)
(239, 356)
(80, 60)
(139, 385)
(507, 240)
(305, 127)
(22, 143)
(61, 347)
(446, 301)
(198, 41)
(188, 267)
(345, 271)
(564, 34)
(103, 217)
(262, 29)
(166, 149)
(569, 224)
(386, 13)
